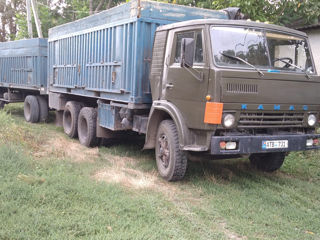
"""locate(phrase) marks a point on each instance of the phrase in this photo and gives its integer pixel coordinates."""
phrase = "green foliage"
(52, 15)
(297, 13)
(289, 13)
(286, 12)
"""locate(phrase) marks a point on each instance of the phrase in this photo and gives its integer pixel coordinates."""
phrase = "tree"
(284, 12)
(8, 26)
(96, 8)
(53, 13)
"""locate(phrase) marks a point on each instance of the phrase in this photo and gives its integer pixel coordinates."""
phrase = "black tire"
(87, 125)
(171, 161)
(267, 162)
(31, 109)
(2, 104)
(70, 118)
(43, 109)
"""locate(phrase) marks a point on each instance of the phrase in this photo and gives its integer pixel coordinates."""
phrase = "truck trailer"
(192, 80)
(23, 76)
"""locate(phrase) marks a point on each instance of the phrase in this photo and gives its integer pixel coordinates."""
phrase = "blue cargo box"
(108, 55)
(23, 64)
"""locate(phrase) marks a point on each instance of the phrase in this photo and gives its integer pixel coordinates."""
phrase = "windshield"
(265, 50)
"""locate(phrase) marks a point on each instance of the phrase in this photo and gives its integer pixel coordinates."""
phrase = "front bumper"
(253, 144)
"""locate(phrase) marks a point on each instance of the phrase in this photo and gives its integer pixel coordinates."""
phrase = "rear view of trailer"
(23, 75)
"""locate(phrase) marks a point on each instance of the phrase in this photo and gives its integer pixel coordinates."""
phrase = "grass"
(68, 205)
(55, 197)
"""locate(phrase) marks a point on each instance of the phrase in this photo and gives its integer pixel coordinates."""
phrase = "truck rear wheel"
(31, 109)
(87, 125)
(267, 162)
(171, 161)
(70, 118)
(43, 109)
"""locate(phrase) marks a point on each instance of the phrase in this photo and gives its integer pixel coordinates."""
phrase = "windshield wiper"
(295, 66)
(242, 60)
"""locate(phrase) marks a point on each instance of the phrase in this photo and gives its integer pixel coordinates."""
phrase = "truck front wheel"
(267, 162)
(171, 161)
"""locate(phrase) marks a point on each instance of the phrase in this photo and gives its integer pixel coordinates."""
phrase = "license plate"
(276, 144)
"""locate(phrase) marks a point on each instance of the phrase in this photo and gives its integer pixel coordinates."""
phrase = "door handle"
(169, 85)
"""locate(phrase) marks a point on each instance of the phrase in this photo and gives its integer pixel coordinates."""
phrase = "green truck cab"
(231, 88)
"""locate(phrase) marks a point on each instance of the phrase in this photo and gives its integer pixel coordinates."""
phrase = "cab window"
(198, 50)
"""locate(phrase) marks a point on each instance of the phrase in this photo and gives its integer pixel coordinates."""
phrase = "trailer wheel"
(70, 118)
(31, 109)
(267, 162)
(87, 125)
(171, 161)
(43, 108)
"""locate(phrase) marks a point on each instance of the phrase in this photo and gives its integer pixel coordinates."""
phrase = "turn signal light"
(223, 145)
(315, 142)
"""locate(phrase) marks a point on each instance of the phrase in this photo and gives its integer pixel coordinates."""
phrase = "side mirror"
(187, 52)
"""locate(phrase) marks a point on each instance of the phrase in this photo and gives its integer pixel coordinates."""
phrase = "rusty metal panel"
(23, 64)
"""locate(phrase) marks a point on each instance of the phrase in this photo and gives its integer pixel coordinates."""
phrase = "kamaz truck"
(192, 80)
(231, 88)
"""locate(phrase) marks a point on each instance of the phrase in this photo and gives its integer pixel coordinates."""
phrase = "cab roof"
(244, 23)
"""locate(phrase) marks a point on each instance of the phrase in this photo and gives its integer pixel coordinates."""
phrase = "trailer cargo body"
(23, 65)
(108, 55)
(23, 76)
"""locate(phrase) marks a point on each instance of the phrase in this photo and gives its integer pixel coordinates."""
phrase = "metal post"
(36, 18)
(28, 5)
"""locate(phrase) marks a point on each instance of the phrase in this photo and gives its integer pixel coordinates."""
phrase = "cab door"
(183, 87)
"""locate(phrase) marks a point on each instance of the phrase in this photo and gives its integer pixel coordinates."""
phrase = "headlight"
(312, 119)
(229, 120)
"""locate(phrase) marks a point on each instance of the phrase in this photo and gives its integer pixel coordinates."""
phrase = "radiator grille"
(242, 88)
(263, 119)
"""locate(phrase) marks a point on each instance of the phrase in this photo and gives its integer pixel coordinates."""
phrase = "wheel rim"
(164, 151)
